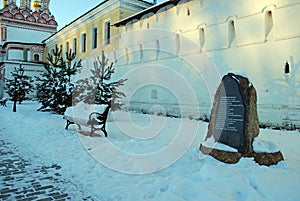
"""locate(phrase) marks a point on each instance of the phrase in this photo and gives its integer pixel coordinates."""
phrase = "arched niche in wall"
(154, 94)
(231, 22)
(157, 16)
(144, 20)
(181, 7)
(157, 47)
(201, 35)
(129, 24)
(177, 41)
(268, 17)
(141, 50)
(127, 54)
(36, 57)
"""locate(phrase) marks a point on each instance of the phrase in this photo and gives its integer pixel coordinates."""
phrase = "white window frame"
(107, 35)
(94, 37)
(67, 46)
(83, 43)
(74, 45)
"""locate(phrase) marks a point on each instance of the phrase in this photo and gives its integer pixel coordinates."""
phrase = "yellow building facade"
(93, 31)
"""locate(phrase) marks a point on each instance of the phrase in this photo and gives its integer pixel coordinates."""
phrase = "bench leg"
(104, 131)
(68, 124)
(92, 130)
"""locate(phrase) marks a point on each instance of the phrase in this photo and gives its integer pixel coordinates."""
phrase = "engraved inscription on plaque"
(228, 119)
(229, 125)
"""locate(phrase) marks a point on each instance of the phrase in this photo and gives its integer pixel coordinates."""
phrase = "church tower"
(22, 30)
(4, 3)
(25, 4)
(11, 1)
(45, 5)
(36, 6)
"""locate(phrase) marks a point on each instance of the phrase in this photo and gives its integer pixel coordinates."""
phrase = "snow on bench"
(93, 116)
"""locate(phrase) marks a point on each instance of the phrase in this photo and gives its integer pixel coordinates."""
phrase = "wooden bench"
(95, 120)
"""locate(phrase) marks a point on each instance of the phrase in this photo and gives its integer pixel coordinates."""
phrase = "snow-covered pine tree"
(19, 86)
(98, 88)
(54, 86)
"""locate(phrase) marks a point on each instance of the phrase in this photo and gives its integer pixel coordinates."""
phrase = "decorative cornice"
(101, 9)
(29, 25)
(18, 44)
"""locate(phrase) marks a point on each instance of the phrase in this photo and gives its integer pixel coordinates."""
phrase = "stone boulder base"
(266, 159)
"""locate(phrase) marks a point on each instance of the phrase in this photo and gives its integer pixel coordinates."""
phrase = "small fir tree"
(19, 86)
(55, 87)
(98, 88)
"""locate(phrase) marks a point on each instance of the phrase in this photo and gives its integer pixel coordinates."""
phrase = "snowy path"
(41, 137)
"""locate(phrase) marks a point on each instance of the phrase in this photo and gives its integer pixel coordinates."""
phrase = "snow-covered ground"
(151, 158)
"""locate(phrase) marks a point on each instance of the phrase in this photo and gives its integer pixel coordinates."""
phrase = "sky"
(65, 11)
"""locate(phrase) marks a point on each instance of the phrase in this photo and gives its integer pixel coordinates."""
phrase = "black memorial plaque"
(234, 122)
(229, 125)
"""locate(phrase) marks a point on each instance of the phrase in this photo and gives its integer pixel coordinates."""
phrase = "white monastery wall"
(31, 69)
(201, 45)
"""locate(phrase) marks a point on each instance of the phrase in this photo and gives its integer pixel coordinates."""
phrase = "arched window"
(141, 51)
(231, 32)
(286, 68)
(94, 37)
(201, 37)
(36, 57)
(83, 42)
(177, 38)
(75, 45)
(268, 23)
(188, 12)
(67, 46)
(107, 32)
(115, 56)
(157, 48)
(127, 55)
(154, 94)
